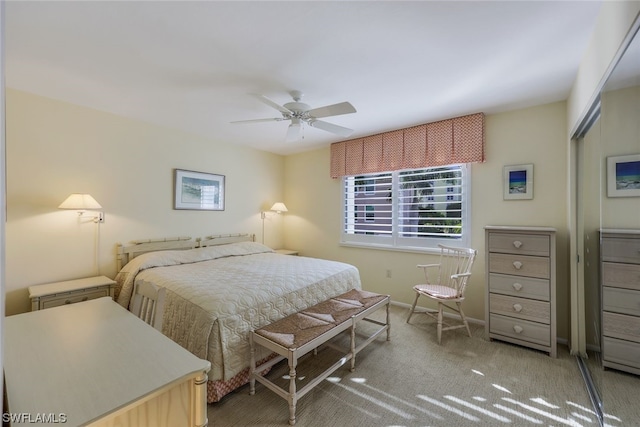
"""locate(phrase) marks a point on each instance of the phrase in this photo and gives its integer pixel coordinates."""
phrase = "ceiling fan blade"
(271, 103)
(330, 127)
(276, 119)
(332, 110)
(294, 130)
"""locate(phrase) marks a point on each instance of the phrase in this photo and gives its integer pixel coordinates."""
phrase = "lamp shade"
(80, 202)
(279, 207)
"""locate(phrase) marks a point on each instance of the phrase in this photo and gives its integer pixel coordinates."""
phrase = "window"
(408, 209)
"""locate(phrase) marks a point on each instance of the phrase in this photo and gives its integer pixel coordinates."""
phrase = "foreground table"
(95, 363)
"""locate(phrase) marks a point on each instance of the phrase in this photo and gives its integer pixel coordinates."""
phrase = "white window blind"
(416, 208)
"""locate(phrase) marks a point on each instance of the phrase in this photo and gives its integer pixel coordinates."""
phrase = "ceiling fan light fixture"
(294, 131)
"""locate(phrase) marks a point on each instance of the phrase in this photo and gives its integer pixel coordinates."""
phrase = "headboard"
(124, 254)
(223, 239)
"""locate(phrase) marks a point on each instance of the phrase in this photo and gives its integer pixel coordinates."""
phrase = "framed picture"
(199, 191)
(518, 182)
(623, 176)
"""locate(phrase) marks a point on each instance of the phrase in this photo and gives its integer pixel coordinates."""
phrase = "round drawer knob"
(517, 265)
(517, 244)
(517, 286)
(517, 307)
(518, 329)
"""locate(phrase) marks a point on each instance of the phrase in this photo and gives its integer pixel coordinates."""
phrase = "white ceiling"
(191, 65)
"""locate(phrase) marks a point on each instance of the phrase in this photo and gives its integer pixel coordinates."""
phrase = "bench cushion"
(299, 328)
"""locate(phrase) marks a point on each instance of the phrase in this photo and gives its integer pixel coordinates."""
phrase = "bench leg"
(353, 346)
(388, 323)
(252, 367)
(440, 308)
(292, 389)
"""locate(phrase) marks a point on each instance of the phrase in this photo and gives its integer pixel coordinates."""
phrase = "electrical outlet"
(388, 274)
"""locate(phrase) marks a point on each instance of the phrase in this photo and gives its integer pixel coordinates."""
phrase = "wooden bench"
(299, 333)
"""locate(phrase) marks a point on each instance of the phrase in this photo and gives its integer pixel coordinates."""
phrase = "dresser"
(620, 281)
(520, 304)
(96, 364)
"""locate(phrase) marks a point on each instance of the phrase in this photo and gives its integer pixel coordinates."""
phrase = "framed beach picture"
(518, 182)
(198, 191)
(623, 176)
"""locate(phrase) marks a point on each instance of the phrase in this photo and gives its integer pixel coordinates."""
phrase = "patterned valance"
(447, 142)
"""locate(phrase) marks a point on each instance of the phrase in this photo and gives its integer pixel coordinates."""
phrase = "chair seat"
(437, 291)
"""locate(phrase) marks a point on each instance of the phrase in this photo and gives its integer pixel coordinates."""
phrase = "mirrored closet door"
(608, 202)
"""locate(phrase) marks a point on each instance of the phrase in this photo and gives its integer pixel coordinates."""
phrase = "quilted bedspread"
(217, 295)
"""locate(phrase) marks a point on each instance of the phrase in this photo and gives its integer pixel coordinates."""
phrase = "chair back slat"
(455, 261)
(148, 303)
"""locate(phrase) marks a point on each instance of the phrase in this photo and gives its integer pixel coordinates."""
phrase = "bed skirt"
(217, 389)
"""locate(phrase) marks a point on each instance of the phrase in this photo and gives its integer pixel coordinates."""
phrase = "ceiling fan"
(300, 113)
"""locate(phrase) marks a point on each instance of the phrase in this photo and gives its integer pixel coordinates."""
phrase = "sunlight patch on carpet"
(499, 387)
(449, 408)
(483, 411)
(517, 414)
(570, 422)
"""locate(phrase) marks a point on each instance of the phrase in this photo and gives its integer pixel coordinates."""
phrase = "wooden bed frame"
(124, 254)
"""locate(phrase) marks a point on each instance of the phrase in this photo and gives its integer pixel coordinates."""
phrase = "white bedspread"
(216, 295)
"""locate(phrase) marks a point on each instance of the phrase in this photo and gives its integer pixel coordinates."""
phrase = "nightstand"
(71, 291)
(286, 252)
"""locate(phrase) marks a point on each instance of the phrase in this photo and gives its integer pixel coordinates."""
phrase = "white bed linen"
(216, 295)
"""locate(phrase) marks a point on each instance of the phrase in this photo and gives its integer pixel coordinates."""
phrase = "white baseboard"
(559, 340)
(445, 314)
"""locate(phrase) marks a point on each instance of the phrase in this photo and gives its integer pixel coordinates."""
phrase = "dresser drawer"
(536, 311)
(73, 297)
(520, 265)
(620, 351)
(621, 275)
(621, 326)
(525, 287)
(525, 244)
(620, 300)
(521, 329)
(621, 250)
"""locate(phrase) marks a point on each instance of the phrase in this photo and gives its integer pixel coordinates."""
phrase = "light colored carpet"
(618, 390)
(413, 381)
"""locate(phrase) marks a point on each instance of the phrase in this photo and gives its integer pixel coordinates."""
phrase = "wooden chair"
(148, 303)
(446, 283)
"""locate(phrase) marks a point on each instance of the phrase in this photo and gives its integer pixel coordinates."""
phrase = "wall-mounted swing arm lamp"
(277, 207)
(81, 203)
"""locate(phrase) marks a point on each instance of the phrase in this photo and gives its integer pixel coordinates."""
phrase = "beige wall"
(54, 149)
(534, 135)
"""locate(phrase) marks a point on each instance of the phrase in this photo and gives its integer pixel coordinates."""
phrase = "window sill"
(413, 249)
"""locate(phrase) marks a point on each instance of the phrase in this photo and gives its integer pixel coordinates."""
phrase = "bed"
(219, 288)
